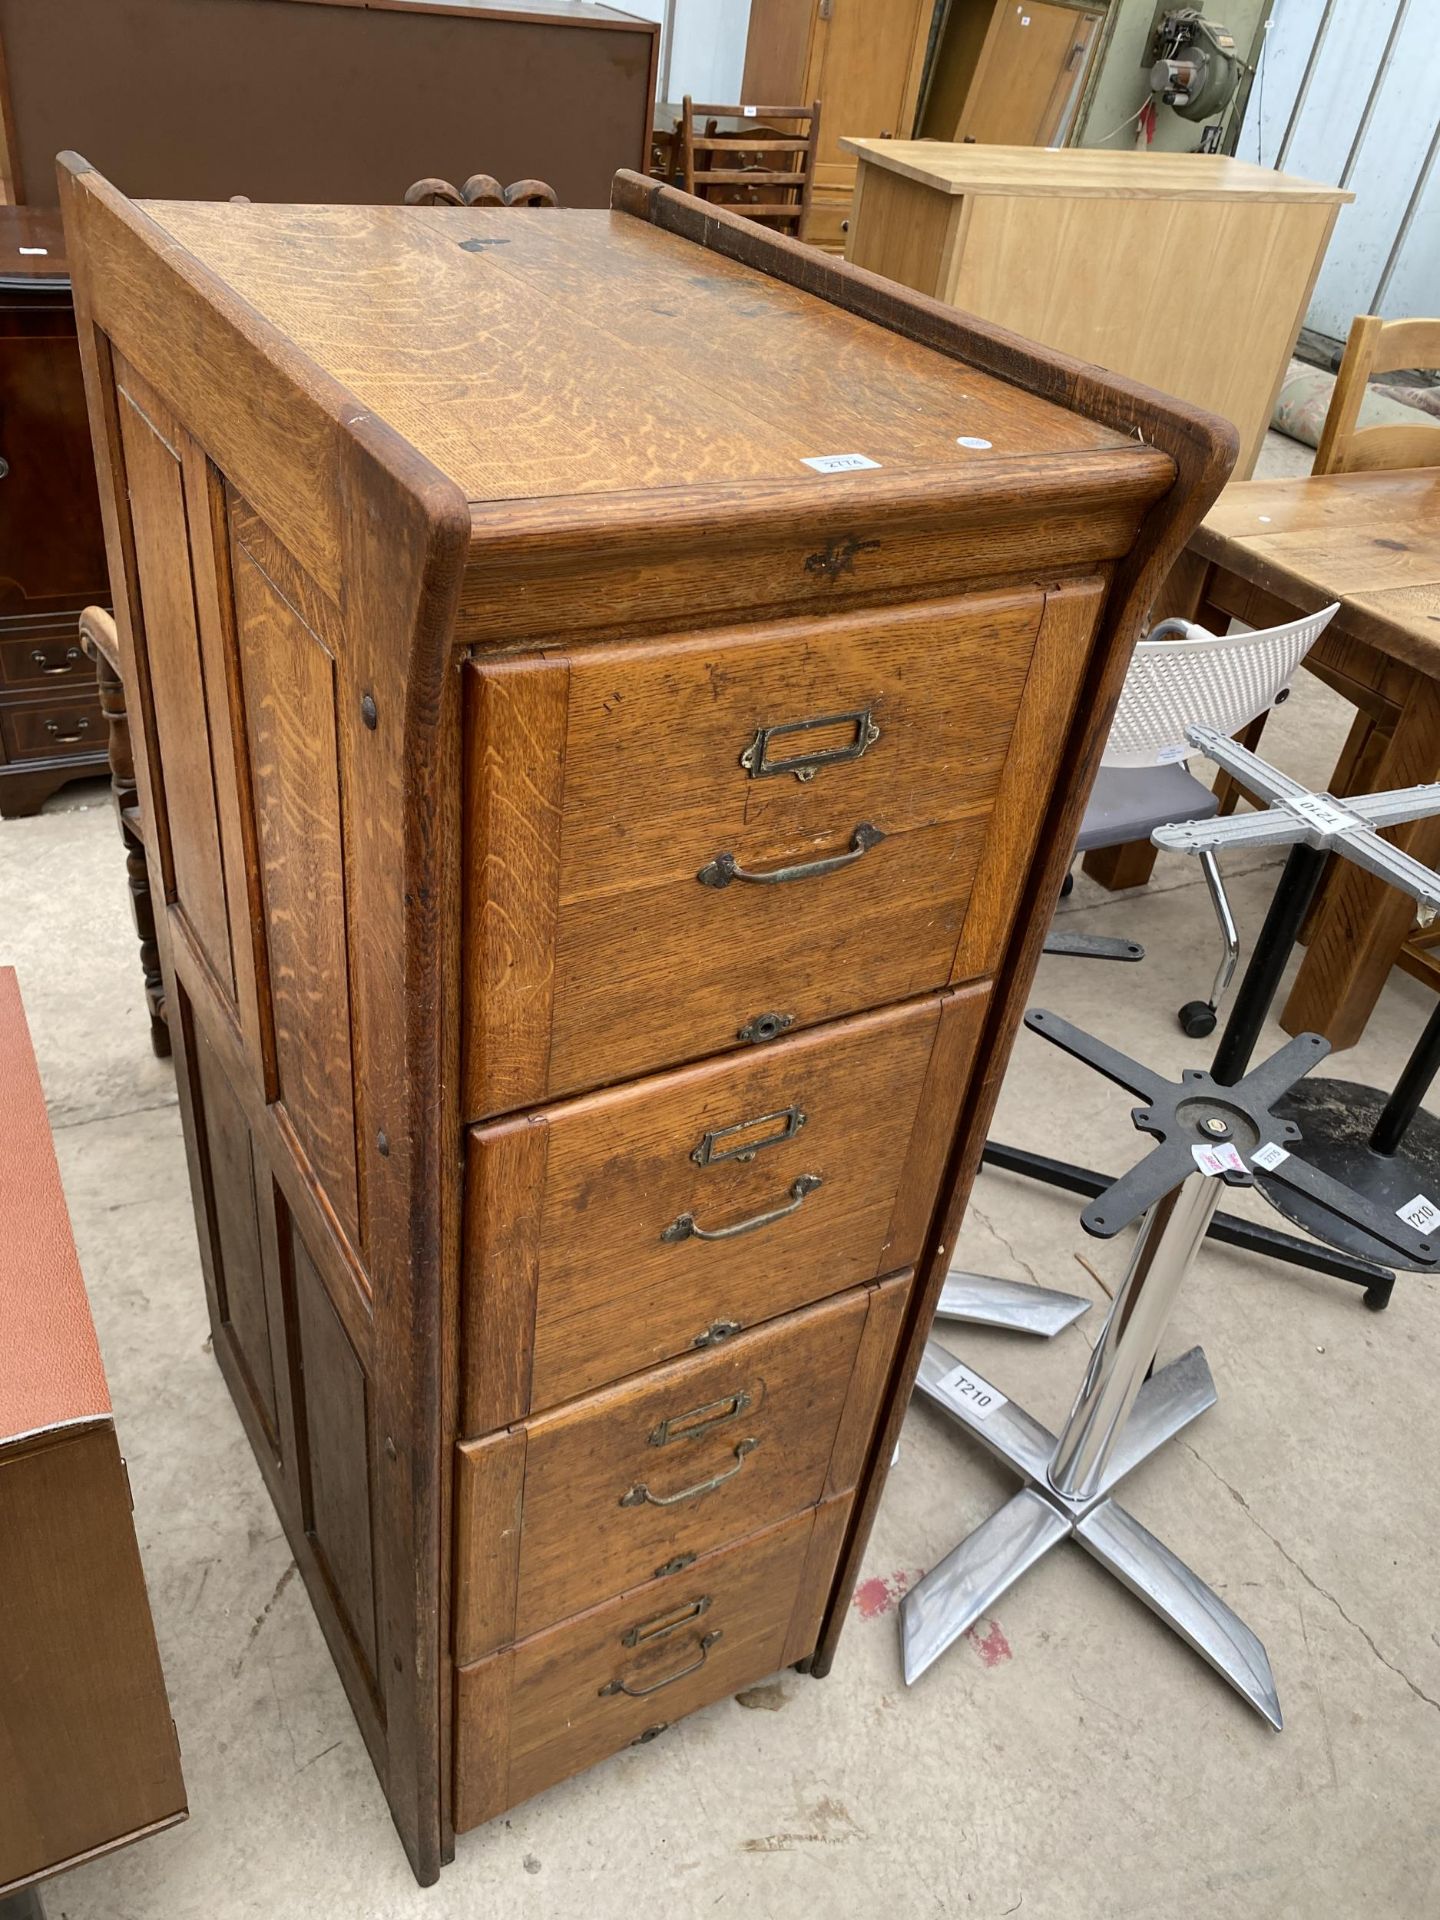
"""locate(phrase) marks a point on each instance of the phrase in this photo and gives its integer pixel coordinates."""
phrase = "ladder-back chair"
(763, 172)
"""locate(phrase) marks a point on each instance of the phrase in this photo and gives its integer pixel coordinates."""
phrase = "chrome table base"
(1210, 1134)
(970, 1580)
(1013, 1305)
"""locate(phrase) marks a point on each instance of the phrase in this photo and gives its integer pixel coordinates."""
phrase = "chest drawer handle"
(52, 727)
(724, 868)
(641, 1496)
(686, 1227)
(67, 665)
(640, 1693)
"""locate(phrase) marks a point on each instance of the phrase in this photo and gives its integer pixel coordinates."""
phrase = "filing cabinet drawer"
(623, 1228)
(659, 1470)
(677, 847)
(537, 1712)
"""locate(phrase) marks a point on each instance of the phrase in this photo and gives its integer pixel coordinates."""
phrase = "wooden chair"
(764, 172)
(1379, 346)
(101, 642)
(480, 190)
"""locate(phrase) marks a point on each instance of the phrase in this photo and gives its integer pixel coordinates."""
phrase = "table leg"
(1362, 924)
(1119, 867)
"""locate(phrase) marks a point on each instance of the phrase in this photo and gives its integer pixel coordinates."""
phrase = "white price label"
(840, 462)
(1269, 1156)
(1319, 810)
(1167, 756)
(1420, 1213)
(978, 1395)
(749, 112)
(974, 442)
(1224, 1159)
(34, 249)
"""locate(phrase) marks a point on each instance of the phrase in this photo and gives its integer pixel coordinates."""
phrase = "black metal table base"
(1228, 1228)
(1338, 1119)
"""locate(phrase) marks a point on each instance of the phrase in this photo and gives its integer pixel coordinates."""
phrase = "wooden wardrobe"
(610, 777)
(863, 60)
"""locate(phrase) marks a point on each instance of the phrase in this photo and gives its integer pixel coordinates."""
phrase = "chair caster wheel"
(1197, 1018)
(1067, 886)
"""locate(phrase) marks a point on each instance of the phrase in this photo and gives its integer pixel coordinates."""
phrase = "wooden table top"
(1369, 540)
(1085, 172)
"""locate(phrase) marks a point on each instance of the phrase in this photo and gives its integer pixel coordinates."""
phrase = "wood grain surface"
(552, 1704)
(579, 1195)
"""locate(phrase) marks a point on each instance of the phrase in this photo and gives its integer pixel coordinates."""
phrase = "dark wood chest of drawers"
(52, 547)
(606, 839)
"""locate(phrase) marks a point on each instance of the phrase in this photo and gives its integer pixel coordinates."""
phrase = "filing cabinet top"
(531, 355)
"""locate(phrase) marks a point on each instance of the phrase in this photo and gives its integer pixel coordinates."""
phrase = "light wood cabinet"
(1190, 272)
(863, 60)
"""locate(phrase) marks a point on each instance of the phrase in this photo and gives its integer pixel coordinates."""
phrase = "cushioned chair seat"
(1128, 803)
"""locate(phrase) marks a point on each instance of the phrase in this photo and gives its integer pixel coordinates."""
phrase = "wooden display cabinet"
(612, 748)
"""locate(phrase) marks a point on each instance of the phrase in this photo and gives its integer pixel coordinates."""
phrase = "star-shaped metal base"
(970, 1580)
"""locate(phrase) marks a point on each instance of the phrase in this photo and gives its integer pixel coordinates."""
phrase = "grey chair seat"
(1128, 803)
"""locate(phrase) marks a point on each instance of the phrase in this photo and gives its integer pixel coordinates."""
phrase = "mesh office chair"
(1200, 678)
(1194, 679)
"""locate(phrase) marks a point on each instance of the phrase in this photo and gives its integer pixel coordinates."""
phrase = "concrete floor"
(1069, 1760)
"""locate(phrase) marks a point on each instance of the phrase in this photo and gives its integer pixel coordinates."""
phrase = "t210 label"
(978, 1395)
(1420, 1213)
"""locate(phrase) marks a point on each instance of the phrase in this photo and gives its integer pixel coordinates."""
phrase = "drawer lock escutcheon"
(641, 1496)
(717, 1332)
(758, 763)
(640, 1693)
(765, 1026)
(724, 868)
(686, 1227)
(744, 1147)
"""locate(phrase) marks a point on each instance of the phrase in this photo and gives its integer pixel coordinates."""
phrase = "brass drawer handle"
(640, 1693)
(686, 1227)
(641, 1496)
(724, 868)
(42, 660)
(52, 727)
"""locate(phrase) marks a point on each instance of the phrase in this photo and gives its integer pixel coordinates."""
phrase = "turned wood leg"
(127, 813)
(1363, 924)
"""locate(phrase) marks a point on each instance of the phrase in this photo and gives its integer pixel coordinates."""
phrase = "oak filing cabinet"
(618, 693)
